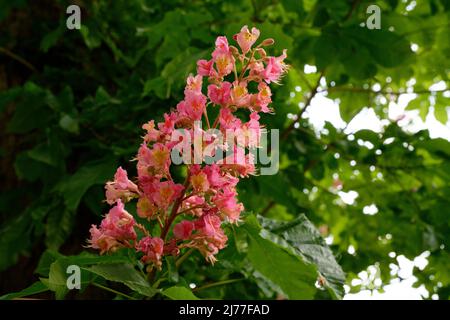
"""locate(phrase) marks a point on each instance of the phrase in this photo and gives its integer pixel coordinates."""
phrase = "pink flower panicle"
(192, 214)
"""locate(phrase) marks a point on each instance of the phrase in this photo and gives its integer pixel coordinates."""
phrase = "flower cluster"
(191, 214)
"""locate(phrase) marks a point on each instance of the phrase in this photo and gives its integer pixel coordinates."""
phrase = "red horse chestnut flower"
(192, 214)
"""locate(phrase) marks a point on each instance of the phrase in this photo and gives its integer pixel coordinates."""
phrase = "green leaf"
(74, 187)
(290, 272)
(47, 258)
(51, 38)
(91, 39)
(57, 278)
(441, 114)
(324, 50)
(387, 48)
(179, 293)
(172, 270)
(69, 124)
(124, 273)
(58, 227)
(420, 103)
(156, 86)
(83, 259)
(31, 111)
(35, 288)
(102, 97)
(15, 238)
(350, 103)
(301, 235)
(29, 169)
(439, 146)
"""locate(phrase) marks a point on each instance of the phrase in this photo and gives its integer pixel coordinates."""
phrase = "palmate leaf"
(287, 271)
(302, 236)
(54, 266)
(292, 256)
(124, 273)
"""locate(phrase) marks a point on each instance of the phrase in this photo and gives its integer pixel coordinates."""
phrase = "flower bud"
(267, 42)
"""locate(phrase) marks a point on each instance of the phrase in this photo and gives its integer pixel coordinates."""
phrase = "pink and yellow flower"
(183, 230)
(209, 193)
(246, 38)
(275, 68)
(220, 94)
(153, 250)
(120, 188)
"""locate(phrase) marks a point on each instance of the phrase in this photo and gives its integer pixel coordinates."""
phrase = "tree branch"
(18, 59)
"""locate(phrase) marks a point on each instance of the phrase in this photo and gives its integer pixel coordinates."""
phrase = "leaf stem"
(18, 59)
(181, 259)
(244, 69)
(219, 283)
(113, 291)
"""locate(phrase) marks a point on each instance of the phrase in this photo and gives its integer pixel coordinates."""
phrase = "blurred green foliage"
(72, 103)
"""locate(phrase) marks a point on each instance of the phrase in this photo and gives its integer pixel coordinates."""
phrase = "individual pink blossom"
(224, 64)
(249, 135)
(227, 120)
(118, 223)
(221, 45)
(206, 68)
(116, 230)
(165, 193)
(199, 182)
(217, 178)
(121, 180)
(153, 250)
(168, 125)
(262, 99)
(155, 161)
(160, 158)
(238, 163)
(256, 69)
(146, 208)
(239, 94)
(275, 68)
(152, 133)
(226, 202)
(102, 242)
(194, 205)
(195, 105)
(220, 94)
(194, 84)
(183, 230)
(223, 58)
(246, 39)
(120, 188)
(209, 238)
